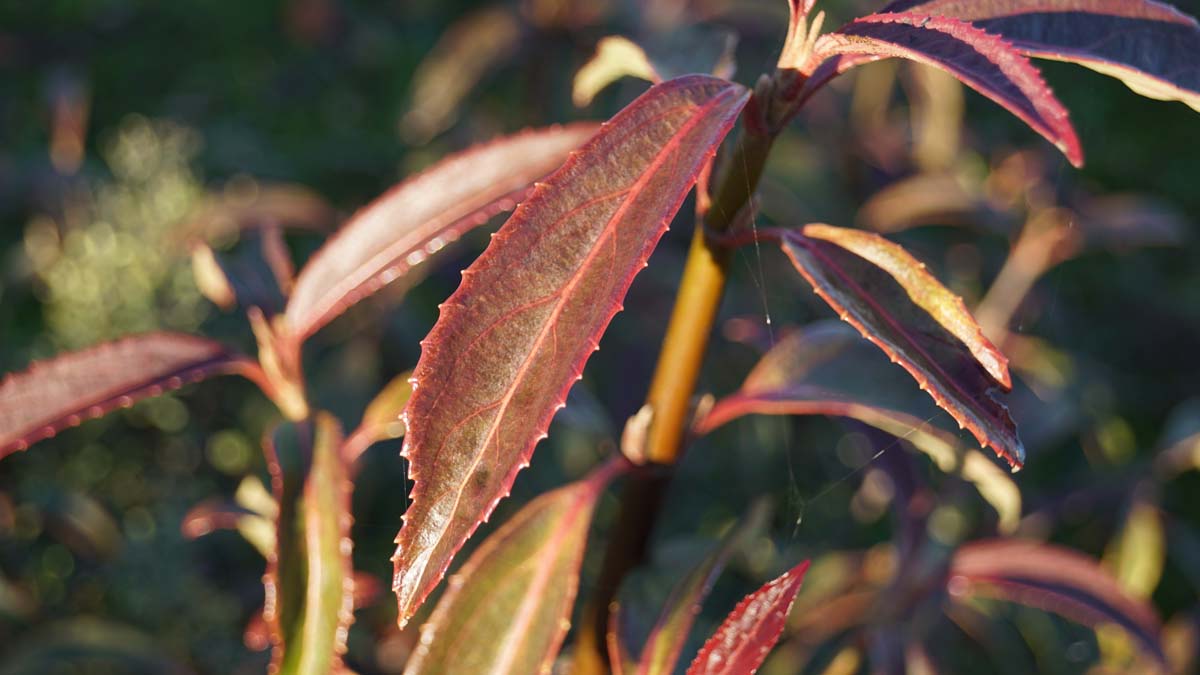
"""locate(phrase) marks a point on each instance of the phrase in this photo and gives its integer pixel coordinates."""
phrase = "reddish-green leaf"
(1150, 46)
(886, 294)
(62, 392)
(666, 640)
(507, 610)
(515, 335)
(982, 61)
(309, 581)
(1055, 579)
(750, 631)
(418, 217)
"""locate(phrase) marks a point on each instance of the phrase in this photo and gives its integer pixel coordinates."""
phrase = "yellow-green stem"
(697, 302)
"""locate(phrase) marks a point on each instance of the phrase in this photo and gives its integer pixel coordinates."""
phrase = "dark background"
(179, 102)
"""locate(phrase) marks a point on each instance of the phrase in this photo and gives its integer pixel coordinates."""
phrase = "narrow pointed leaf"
(980, 60)
(666, 640)
(747, 635)
(780, 385)
(62, 392)
(422, 214)
(1055, 579)
(507, 610)
(1148, 45)
(309, 581)
(515, 335)
(886, 294)
(381, 420)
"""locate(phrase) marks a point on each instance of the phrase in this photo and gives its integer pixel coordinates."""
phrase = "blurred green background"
(120, 120)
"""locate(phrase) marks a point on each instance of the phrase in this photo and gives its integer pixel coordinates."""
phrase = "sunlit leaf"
(615, 57)
(667, 638)
(507, 610)
(309, 581)
(421, 215)
(886, 294)
(744, 639)
(515, 335)
(1137, 554)
(381, 420)
(1148, 45)
(469, 49)
(62, 392)
(780, 384)
(982, 61)
(1055, 579)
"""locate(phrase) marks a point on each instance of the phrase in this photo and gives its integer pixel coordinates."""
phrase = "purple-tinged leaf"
(309, 582)
(744, 639)
(982, 61)
(1055, 579)
(782, 383)
(1148, 45)
(422, 214)
(666, 640)
(515, 335)
(67, 389)
(880, 289)
(508, 609)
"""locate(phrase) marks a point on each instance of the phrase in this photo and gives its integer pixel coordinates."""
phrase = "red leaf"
(984, 62)
(666, 640)
(886, 294)
(1151, 46)
(62, 392)
(1055, 579)
(507, 610)
(744, 639)
(514, 337)
(418, 217)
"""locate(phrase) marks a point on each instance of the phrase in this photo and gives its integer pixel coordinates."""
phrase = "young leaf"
(514, 337)
(983, 62)
(747, 635)
(1148, 45)
(615, 57)
(381, 420)
(309, 581)
(507, 610)
(419, 216)
(61, 392)
(1055, 579)
(886, 294)
(667, 638)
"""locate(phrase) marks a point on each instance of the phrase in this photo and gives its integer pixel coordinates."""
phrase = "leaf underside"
(828, 369)
(1150, 46)
(420, 216)
(980, 60)
(514, 337)
(1054, 579)
(67, 389)
(743, 640)
(507, 610)
(888, 296)
(309, 582)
